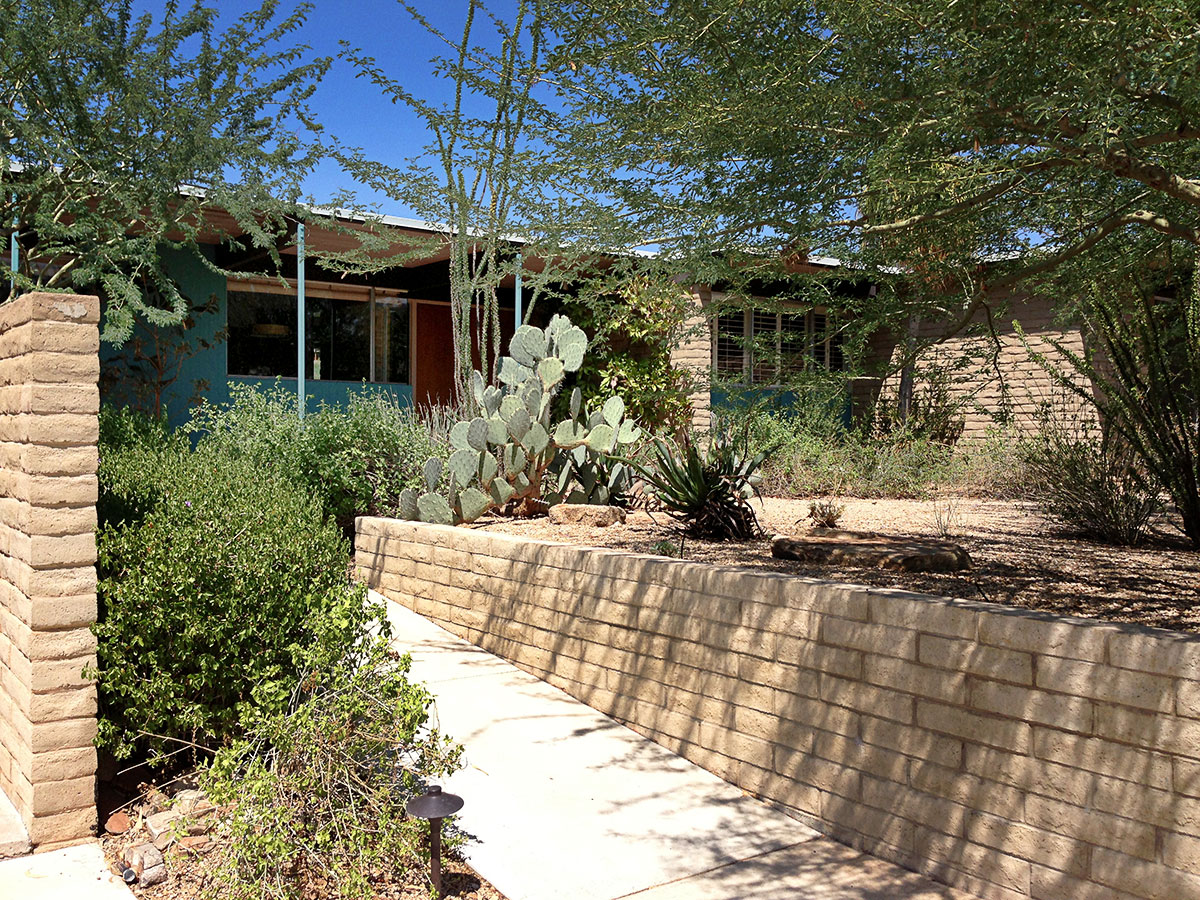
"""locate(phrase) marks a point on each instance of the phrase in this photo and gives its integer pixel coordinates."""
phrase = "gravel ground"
(1018, 558)
(189, 877)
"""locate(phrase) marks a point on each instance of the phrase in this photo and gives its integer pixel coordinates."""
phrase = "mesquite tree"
(116, 132)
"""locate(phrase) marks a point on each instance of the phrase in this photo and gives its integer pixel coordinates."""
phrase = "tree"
(1053, 142)
(118, 134)
(483, 173)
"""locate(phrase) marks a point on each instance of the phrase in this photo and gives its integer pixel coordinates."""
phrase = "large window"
(758, 346)
(349, 335)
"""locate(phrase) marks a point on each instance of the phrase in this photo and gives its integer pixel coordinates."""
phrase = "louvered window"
(756, 346)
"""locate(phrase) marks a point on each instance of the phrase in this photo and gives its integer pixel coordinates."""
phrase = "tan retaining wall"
(49, 401)
(1008, 753)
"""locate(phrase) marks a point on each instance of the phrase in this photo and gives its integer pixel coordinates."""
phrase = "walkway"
(566, 804)
(75, 873)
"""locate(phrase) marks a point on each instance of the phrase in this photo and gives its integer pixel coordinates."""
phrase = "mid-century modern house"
(391, 332)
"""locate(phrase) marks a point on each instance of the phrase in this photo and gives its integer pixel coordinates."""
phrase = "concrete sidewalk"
(75, 873)
(564, 803)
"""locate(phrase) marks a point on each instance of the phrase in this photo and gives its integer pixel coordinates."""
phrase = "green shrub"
(1090, 484)
(318, 790)
(218, 576)
(355, 459)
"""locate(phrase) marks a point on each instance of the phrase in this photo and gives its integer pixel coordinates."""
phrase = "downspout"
(300, 316)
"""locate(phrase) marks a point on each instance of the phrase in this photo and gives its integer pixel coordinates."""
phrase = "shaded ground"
(1018, 559)
(189, 877)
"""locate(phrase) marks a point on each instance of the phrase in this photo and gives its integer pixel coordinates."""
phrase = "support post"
(518, 318)
(300, 316)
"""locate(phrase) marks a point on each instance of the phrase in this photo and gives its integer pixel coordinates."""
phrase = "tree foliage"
(118, 131)
(1053, 141)
(482, 176)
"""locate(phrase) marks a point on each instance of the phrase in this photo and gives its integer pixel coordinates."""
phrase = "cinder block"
(1142, 878)
(1007, 734)
(1092, 754)
(879, 639)
(948, 687)
(47, 832)
(1091, 826)
(1070, 713)
(1103, 682)
(1040, 633)
(977, 659)
(51, 797)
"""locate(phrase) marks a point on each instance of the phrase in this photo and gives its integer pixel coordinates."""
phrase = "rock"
(586, 514)
(196, 843)
(118, 823)
(832, 547)
(144, 859)
(162, 822)
(164, 840)
(193, 804)
(153, 875)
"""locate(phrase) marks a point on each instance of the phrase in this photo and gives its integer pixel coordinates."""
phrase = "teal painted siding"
(204, 376)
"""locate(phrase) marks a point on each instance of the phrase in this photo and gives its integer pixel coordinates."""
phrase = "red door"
(433, 352)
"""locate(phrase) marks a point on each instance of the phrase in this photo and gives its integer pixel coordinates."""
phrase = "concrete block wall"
(994, 373)
(693, 355)
(1011, 754)
(49, 401)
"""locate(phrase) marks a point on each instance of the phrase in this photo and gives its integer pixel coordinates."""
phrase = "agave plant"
(708, 492)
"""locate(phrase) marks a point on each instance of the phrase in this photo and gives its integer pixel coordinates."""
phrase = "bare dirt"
(190, 875)
(1018, 558)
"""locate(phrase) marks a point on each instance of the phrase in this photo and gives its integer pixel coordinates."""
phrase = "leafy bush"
(318, 790)
(1090, 484)
(215, 574)
(1142, 373)
(356, 459)
(708, 492)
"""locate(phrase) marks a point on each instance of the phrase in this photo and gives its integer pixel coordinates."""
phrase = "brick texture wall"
(49, 401)
(992, 373)
(693, 355)
(1008, 753)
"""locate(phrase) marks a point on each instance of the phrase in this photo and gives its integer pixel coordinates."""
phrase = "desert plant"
(212, 580)
(947, 517)
(583, 475)
(318, 790)
(708, 492)
(825, 513)
(668, 548)
(356, 458)
(1089, 483)
(1144, 379)
(501, 455)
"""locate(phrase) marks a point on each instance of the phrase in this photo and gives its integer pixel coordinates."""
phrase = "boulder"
(877, 551)
(586, 514)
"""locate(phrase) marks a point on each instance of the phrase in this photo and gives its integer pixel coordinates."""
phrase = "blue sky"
(352, 108)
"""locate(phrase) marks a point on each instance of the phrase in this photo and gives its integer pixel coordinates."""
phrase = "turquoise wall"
(209, 367)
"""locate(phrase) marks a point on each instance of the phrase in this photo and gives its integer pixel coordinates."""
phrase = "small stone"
(193, 803)
(196, 843)
(164, 840)
(162, 821)
(586, 514)
(141, 857)
(118, 823)
(153, 875)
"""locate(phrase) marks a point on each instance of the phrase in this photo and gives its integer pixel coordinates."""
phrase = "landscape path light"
(434, 806)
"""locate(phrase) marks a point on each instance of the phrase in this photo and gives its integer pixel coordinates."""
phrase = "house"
(390, 332)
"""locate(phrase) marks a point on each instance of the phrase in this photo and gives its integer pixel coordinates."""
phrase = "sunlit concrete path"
(564, 803)
(74, 873)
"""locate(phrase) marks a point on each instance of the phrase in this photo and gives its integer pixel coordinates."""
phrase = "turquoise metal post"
(517, 317)
(300, 316)
(14, 253)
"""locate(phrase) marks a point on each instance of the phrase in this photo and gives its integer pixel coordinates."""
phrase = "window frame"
(747, 339)
(368, 294)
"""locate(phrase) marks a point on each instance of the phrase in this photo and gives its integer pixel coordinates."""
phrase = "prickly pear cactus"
(500, 456)
(594, 471)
